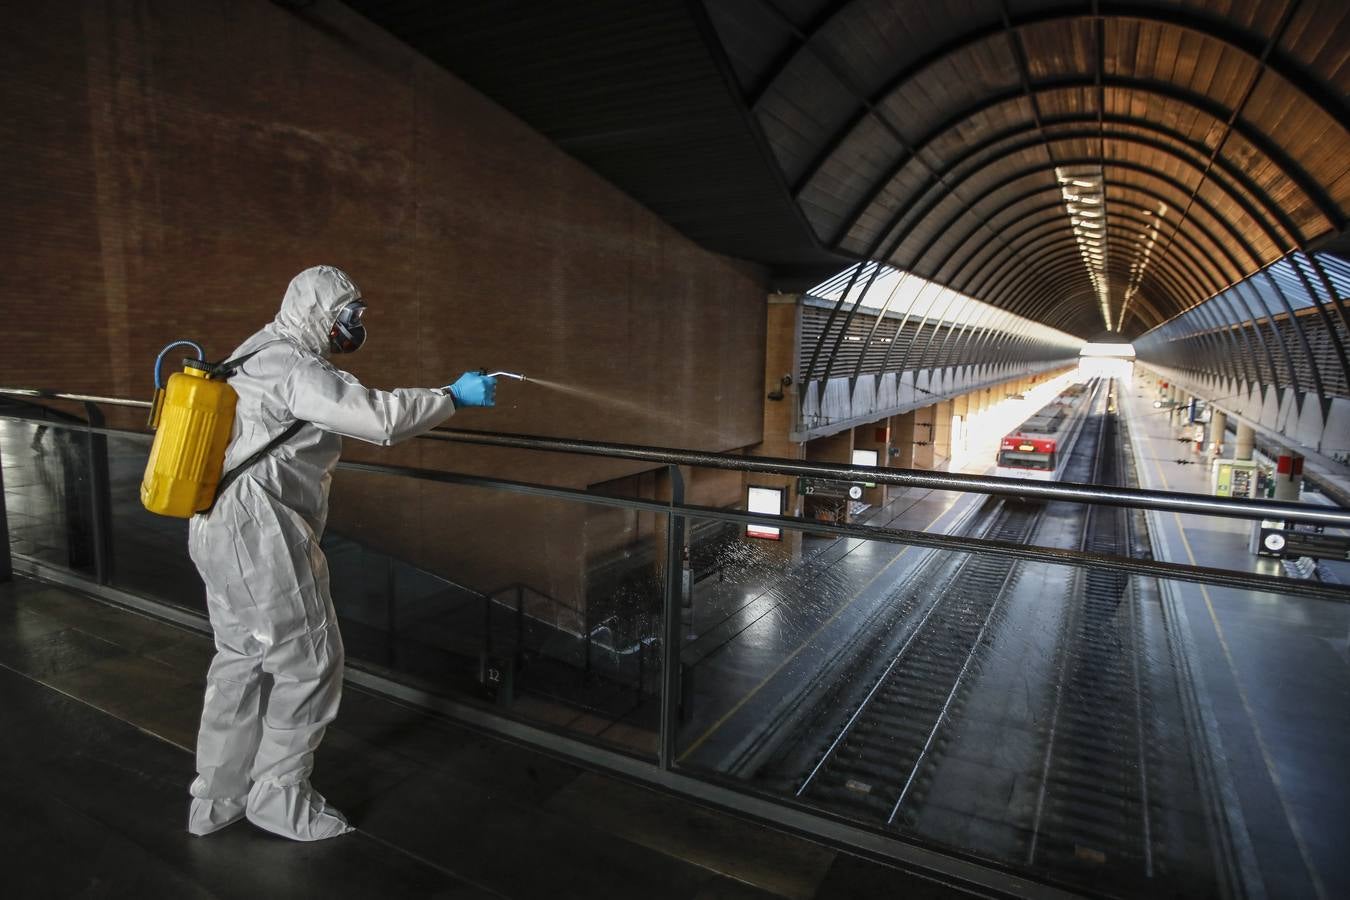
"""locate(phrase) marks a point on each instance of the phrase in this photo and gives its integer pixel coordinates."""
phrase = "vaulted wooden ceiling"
(1091, 165)
(930, 135)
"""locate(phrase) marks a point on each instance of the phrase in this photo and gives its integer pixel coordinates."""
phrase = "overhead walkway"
(99, 708)
(985, 806)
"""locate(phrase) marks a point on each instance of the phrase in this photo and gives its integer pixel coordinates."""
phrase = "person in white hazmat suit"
(258, 553)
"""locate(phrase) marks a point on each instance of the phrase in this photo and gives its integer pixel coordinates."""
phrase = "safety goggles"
(349, 331)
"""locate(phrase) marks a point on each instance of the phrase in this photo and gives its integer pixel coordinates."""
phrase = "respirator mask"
(348, 332)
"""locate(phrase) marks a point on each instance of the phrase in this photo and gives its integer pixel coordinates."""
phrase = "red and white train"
(1040, 447)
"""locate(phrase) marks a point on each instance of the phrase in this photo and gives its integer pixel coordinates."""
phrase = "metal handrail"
(1138, 498)
(939, 541)
(1167, 501)
(42, 394)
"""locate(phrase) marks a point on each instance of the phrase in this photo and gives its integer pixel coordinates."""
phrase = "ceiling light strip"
(1083, 190)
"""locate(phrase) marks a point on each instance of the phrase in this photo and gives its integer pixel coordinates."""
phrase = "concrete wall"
(925, 430)
(780, 351)
(942, 430)
(835, 449)
(903, 437)
(178, 163)
(875, 436)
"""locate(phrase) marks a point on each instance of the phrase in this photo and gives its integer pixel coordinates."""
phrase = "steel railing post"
(487, 625)
(520, 625)
(391, 610)
(6, 561)
(641, 669)
(670, 623)
(100, 496)
(586, 644)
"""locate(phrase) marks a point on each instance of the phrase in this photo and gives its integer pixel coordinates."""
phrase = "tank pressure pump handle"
(157, 401)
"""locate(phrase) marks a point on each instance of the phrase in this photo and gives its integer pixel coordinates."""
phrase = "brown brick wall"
(176, 163)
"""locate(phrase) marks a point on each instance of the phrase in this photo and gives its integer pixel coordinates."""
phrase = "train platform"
(762, 633)
(98, 712)
(761, 641)
(1272, 675)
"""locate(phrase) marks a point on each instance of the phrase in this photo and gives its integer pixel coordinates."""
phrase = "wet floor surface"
(760, 655)
(1275, 680)
(98, 710)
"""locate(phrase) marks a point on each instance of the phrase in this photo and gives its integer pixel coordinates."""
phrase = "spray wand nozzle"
(516, 375)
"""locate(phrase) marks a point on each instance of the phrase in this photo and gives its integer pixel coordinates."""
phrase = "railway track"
(872, 766)
(1093, 809)
(1080, 792)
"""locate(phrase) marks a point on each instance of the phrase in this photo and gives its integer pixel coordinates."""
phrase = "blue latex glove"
(474, 389)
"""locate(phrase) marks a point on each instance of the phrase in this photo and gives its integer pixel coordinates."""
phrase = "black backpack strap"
(228, 478)
(227, 368)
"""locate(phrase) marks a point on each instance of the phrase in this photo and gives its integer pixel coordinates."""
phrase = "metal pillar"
(1246, 441)
(6, 561)
(1218, 424)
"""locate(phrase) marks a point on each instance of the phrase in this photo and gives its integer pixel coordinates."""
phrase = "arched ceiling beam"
(1063, 275)
(976, 286)
(1033, 239)
(1052, 253)
(1171, 150)
(1233, 173)
(1233, 273)
(1254, 46)
(1048, 256)
(1065, 309)
(1284, 244)
(1200, 102)
(1183, 281)
(1227, 300)
(976, 283)
(993, 140)
(1270, 44)
(918, 219)
(1052, 214)
(1055, 306)
(1250, 43)
(844, 79)
(1037, 190)
(935, 198)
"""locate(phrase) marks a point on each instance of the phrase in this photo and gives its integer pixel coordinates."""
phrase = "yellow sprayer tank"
(188, 455)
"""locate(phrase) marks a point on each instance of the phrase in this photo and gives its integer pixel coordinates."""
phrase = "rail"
(1138, 498)
(681, 511)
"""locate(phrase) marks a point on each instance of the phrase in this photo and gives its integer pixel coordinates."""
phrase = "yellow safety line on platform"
(1246, 704)
(767, 678)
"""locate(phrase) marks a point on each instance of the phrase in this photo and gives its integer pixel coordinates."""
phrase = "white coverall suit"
(266, 578)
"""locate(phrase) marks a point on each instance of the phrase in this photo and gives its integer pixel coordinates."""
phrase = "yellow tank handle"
(156, 407)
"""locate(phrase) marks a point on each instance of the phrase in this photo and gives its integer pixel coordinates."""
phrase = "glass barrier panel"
(548, 609)
(47, 496)
(150, 552)
(1096, 730)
